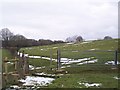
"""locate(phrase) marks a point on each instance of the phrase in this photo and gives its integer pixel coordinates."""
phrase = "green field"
(91, 73)
(77, 76)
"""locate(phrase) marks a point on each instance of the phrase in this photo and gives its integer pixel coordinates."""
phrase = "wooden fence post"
(6, 69)
(58, 59)
(6, 65)
(16, 64)
(50, 59)
(26, 65)
(116, 57)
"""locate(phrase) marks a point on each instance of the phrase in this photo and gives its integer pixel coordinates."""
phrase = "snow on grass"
(45, 74)
(70, 43)
(34, 57)
(41, 49)
(116, 78)
(10, 63)
(55, 47)
(32, 67)
(36, 81)
(88, 62)
(26, 55)
(87, 85)
(15, 87)
(79, 61)
(84, 42)
(112, 62)
(93, 49)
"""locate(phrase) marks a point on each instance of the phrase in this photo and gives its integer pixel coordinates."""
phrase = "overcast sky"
(59, 19)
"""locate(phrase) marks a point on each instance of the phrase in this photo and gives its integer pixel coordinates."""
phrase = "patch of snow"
(31, 67)
(92, 49)
(41, 49)
(35, 57)
(84, 42)
(45, 74)
(70, 43)
(10, 63)
(40, 67)
(46, 58)
(36, 81)
(55, 47)
(112, 62)
(26, 55)
(90, 84)
(116, 78)
(68, 61)
(20, 54)
(15, 87)
(93, 61)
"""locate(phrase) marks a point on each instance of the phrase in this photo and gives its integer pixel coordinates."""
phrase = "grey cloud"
(58, 19)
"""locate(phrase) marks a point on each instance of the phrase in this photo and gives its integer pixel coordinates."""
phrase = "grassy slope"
(45, 50)
(66, 50)
(5, 53)
(85, 73)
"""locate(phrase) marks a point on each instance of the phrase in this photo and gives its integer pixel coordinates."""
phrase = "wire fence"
(75, 58)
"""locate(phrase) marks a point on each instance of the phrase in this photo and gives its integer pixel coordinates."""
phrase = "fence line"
(60, 51)
(21, 68)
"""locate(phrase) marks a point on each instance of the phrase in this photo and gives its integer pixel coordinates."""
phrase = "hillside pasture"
(91, 75)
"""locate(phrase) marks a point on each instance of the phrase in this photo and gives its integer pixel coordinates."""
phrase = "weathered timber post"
(58, 59)
(16, 64)
(116, 57)
(21, 63)
(6, 69)
(26, 66)
(6, 65)
(50, 59)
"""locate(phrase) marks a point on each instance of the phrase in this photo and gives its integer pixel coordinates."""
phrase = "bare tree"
(5, 34)
(18, 37)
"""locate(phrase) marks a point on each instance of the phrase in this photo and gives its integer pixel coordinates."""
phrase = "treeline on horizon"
(8, 39)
